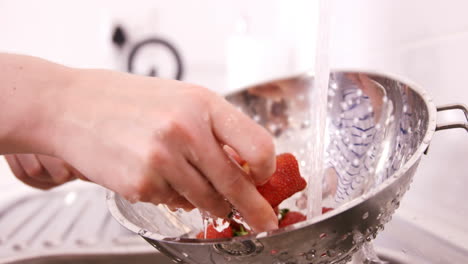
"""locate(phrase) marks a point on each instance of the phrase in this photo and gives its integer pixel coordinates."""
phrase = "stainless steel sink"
(66, 226)
(405, 242)
(142, 258)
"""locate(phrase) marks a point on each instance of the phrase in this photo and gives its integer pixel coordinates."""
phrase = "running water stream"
(318, 112)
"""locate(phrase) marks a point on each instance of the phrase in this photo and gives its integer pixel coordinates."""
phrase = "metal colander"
(378, 127)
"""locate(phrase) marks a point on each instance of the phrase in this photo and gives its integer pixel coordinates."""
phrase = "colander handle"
(461, 107)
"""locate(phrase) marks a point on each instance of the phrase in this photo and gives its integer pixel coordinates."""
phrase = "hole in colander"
(244, 248)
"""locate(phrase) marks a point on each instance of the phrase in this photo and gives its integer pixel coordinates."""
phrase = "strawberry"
(212, 233)
(285, 182)
(291, 218)
(326, 209)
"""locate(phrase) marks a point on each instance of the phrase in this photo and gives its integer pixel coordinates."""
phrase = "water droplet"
(355, 162)
(358, 238)
(303, 163)
(323, 235)
(272, 127)
(365, 215)
(256, 118)
(310, 255)
(301, 202)
(185, 254)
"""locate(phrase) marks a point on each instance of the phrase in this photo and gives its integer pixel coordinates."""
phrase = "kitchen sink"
(74, 226)
(141, 258)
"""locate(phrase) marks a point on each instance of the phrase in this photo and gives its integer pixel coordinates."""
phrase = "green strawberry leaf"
(283, 212)
(241, 232)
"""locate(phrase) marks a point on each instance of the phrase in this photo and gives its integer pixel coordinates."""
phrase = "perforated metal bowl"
(378, 128)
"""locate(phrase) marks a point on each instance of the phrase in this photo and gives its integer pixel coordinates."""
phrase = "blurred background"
(225, 45)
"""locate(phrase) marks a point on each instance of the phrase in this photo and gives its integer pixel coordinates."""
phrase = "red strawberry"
(326, 209)
(291, 218)
(285, 182)
(212, 233)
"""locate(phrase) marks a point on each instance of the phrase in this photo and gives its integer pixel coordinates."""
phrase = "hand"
(41, 171)
(161, 141)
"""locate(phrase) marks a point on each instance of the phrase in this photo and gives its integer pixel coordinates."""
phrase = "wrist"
(51, 112)
(30, 103)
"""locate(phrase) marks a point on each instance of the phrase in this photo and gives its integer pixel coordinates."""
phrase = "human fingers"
(59, 171)
(252, 142)
(192, 185)
(237, 187)
(21, 174)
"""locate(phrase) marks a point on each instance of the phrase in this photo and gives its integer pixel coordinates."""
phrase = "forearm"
(29, 88)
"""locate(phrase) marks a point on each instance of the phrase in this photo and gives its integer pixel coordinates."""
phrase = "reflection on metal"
(240, 249)
(378, 128)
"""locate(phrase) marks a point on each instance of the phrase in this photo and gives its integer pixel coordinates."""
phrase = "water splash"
(206, 221)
